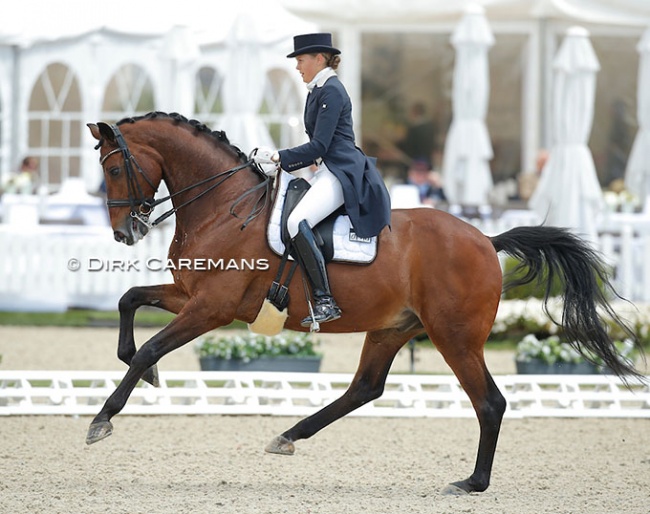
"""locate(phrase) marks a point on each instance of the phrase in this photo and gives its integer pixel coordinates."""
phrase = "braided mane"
(219, 135)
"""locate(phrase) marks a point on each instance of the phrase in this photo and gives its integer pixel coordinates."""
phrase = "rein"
(147, 204)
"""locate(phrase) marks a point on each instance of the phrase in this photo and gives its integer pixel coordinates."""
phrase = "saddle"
(336, 237)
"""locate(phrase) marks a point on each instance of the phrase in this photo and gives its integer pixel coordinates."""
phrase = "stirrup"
(325, 310)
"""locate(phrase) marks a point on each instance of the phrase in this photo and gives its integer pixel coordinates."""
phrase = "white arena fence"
(35, 262)
(56, 267)
(302, 394)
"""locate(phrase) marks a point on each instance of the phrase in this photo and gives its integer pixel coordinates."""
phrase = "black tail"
(558, 252)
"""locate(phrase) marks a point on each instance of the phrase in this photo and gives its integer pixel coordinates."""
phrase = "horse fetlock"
(151, 376)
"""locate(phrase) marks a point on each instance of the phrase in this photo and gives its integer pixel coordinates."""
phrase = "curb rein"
(146, 205)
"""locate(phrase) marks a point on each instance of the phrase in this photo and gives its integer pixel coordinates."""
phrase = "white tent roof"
(390, 12)
(30, 22)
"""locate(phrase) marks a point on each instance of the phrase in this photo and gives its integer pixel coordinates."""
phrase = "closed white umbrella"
(466, 170)
(568, 193)
(637, 172)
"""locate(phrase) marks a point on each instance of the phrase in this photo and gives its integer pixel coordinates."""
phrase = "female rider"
(345, 175)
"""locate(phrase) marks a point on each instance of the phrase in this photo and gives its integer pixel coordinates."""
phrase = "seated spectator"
(528, 181)
(428, 182)
(25, 181)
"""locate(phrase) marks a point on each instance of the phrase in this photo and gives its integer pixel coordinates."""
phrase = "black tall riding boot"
(311, 260)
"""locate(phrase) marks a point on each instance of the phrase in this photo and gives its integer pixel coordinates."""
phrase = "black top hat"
(313, 44)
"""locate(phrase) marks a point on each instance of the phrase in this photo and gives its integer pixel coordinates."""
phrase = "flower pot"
(309, 364)
(539, 367)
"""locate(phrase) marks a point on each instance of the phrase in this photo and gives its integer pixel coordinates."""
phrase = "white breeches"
(323, 197)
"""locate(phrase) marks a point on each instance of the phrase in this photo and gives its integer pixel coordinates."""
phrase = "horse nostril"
(119, 236)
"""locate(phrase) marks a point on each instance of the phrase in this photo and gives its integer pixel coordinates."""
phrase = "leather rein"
(142, 206)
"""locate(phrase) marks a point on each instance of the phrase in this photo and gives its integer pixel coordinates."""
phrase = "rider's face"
(309, 65)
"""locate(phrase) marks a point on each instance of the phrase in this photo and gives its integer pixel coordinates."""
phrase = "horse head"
(129, 188)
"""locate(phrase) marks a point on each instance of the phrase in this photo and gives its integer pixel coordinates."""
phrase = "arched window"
(129, 93)
(208, 104)
(55, 123)
(281, 109)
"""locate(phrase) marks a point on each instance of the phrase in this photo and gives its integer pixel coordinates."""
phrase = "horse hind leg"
(379, 350)
(490, 406)
(463, 352)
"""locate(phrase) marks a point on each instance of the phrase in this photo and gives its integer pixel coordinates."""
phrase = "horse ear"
(101, 131)
(106, 131)
(94, 130)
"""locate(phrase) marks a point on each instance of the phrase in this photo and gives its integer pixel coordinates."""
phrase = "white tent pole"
(15, 109)
(531, 109)
(350, 71)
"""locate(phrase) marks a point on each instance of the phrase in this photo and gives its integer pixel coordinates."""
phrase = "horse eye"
(115, 171)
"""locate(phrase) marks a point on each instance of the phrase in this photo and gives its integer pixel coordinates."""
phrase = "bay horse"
(434, 273)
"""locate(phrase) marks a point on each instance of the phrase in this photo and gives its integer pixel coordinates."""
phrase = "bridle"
(142, 206)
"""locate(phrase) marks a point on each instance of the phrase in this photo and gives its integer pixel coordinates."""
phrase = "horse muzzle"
(130, 232)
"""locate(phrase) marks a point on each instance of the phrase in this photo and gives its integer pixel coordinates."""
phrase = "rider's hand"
(267, 160)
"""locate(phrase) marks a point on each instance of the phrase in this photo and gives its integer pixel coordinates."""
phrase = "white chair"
(404, 196)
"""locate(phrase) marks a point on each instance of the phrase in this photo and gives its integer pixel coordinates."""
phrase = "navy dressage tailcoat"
(328, 121)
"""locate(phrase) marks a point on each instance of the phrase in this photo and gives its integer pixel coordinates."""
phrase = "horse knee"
(130, 300)
(125, 353)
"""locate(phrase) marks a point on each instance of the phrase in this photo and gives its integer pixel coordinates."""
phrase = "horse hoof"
(281, 446)
(151, 376)
(453, 490)
(98, 431)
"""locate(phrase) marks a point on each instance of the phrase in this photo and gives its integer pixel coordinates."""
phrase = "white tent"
(52, 49)
(621, 12)
(170, 41)
(541, 22)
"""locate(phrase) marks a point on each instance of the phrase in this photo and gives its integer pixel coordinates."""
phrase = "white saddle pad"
(348, 247)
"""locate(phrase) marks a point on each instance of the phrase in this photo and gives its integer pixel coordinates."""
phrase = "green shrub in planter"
(517, 318)
(551, 355)
(289, 351)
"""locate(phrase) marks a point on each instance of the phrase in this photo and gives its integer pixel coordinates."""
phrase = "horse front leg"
(379, 350)
(192, 321)
(166, 296)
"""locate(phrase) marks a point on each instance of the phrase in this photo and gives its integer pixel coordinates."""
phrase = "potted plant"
(552, 356)
(288, 351)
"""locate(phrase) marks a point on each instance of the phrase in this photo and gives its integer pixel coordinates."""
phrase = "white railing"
(35, 263)
(301, 394)
(52, 267)
(625, 247)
